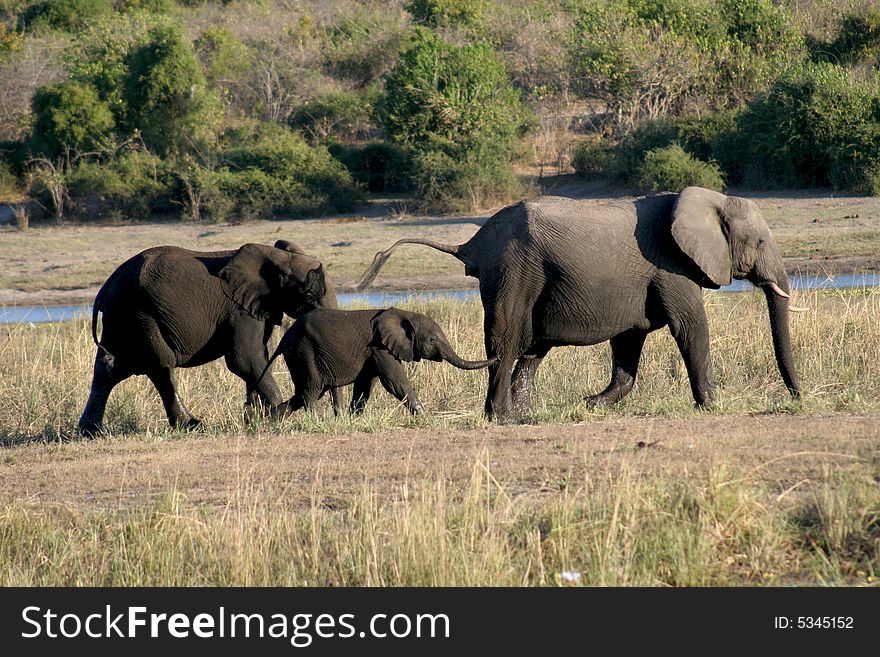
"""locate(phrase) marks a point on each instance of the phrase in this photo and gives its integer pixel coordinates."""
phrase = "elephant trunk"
(779, 307)
(457, 361)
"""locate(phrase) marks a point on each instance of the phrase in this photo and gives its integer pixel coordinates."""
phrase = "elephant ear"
(697, 229)
(253, 275)
(392, 328)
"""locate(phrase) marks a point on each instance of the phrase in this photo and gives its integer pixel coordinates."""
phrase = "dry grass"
(759, 490)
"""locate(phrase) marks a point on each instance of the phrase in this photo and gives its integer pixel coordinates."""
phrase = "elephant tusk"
(773, 286)
(778, 290)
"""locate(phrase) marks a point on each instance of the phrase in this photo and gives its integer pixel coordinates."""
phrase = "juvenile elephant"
(326, 349)
(169, 307)
(556, 271)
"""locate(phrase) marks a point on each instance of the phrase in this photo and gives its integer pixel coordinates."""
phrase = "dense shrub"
(164, 93)
(342, 115)
(8, 182)
(364, 46)
(221, 54)
(454, 104)
(858, 39)
(69, 15)
(276, 169)
(379, 166)
(130, 186)
(593, 159)
(819, 127)
(69, 117)
(671, 169)
(445, 13)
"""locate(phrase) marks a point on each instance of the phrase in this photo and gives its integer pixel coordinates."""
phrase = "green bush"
(69, 117)
(460, 184)
(817, 127)
(445, 13)
(130, 186)
(272, 167)
(379, 167)
(364, 46)
(671, 169)
(165, 97)
(858, 39)
(593, 159)
(67, 15)
(222, 55)
(454, 105)
(9, 186)
(342, 115)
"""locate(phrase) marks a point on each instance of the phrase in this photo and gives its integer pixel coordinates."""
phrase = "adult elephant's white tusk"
(778, 290)
(773, 286)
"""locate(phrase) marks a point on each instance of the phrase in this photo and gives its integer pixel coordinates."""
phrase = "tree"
(164, 93)
(69, 117)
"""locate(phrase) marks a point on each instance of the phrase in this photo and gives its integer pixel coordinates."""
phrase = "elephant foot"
(598, 401)
(186, 424)
(193, 423)
(89, 429)
(417, 409)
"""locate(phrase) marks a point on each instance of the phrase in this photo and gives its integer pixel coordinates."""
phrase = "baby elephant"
(327, 349)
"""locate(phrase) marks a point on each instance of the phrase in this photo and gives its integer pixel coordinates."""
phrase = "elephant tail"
(382, 257)
(271, 360)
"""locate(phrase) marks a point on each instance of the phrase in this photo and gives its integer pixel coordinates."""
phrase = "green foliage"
(129, 186)
(340, 114)
(8, 181)
(156, 6)
(271, 170)
(10, 42)
(593, 159)
(102, 53)
(67, 15)
(165, 95)
(222, 55)
(364, 46)
(453, 105)
(858, 39)
(672, 169)
(819, 126)
(69, 116)
(649, 58)
(446, 13)
(379, 166)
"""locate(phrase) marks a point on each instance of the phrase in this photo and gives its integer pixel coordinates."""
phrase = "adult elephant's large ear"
(252, 275)
(287, 245)
(396, 332)
(696, 228)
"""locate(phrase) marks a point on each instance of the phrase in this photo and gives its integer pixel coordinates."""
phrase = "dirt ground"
(524, 461)
(818, 233)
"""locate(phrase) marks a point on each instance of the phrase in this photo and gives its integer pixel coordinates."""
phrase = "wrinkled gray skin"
(326, 349)
(168, 307)
(556, 271)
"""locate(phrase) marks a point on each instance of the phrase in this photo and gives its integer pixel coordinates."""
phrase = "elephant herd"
(552, 271)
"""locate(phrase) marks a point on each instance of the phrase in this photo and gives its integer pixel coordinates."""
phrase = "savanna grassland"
(759, 490)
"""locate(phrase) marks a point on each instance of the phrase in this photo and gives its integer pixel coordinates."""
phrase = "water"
(40, 314)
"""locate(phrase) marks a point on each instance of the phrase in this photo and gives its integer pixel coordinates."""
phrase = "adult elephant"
(169, 307)
(556, 271)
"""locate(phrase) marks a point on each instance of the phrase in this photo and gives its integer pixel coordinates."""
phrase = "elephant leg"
(248, 365)
(523, 380)
(693, 343)
(626, 350)
(289, 407)
(107, 374)
(498, 403)
(337, 400)
(178, 414)
(363, 386)
(394, 380)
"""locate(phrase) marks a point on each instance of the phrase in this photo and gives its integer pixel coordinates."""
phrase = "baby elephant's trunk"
(455, 360)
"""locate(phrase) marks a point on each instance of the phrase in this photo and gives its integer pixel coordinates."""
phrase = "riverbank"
(66, 265)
